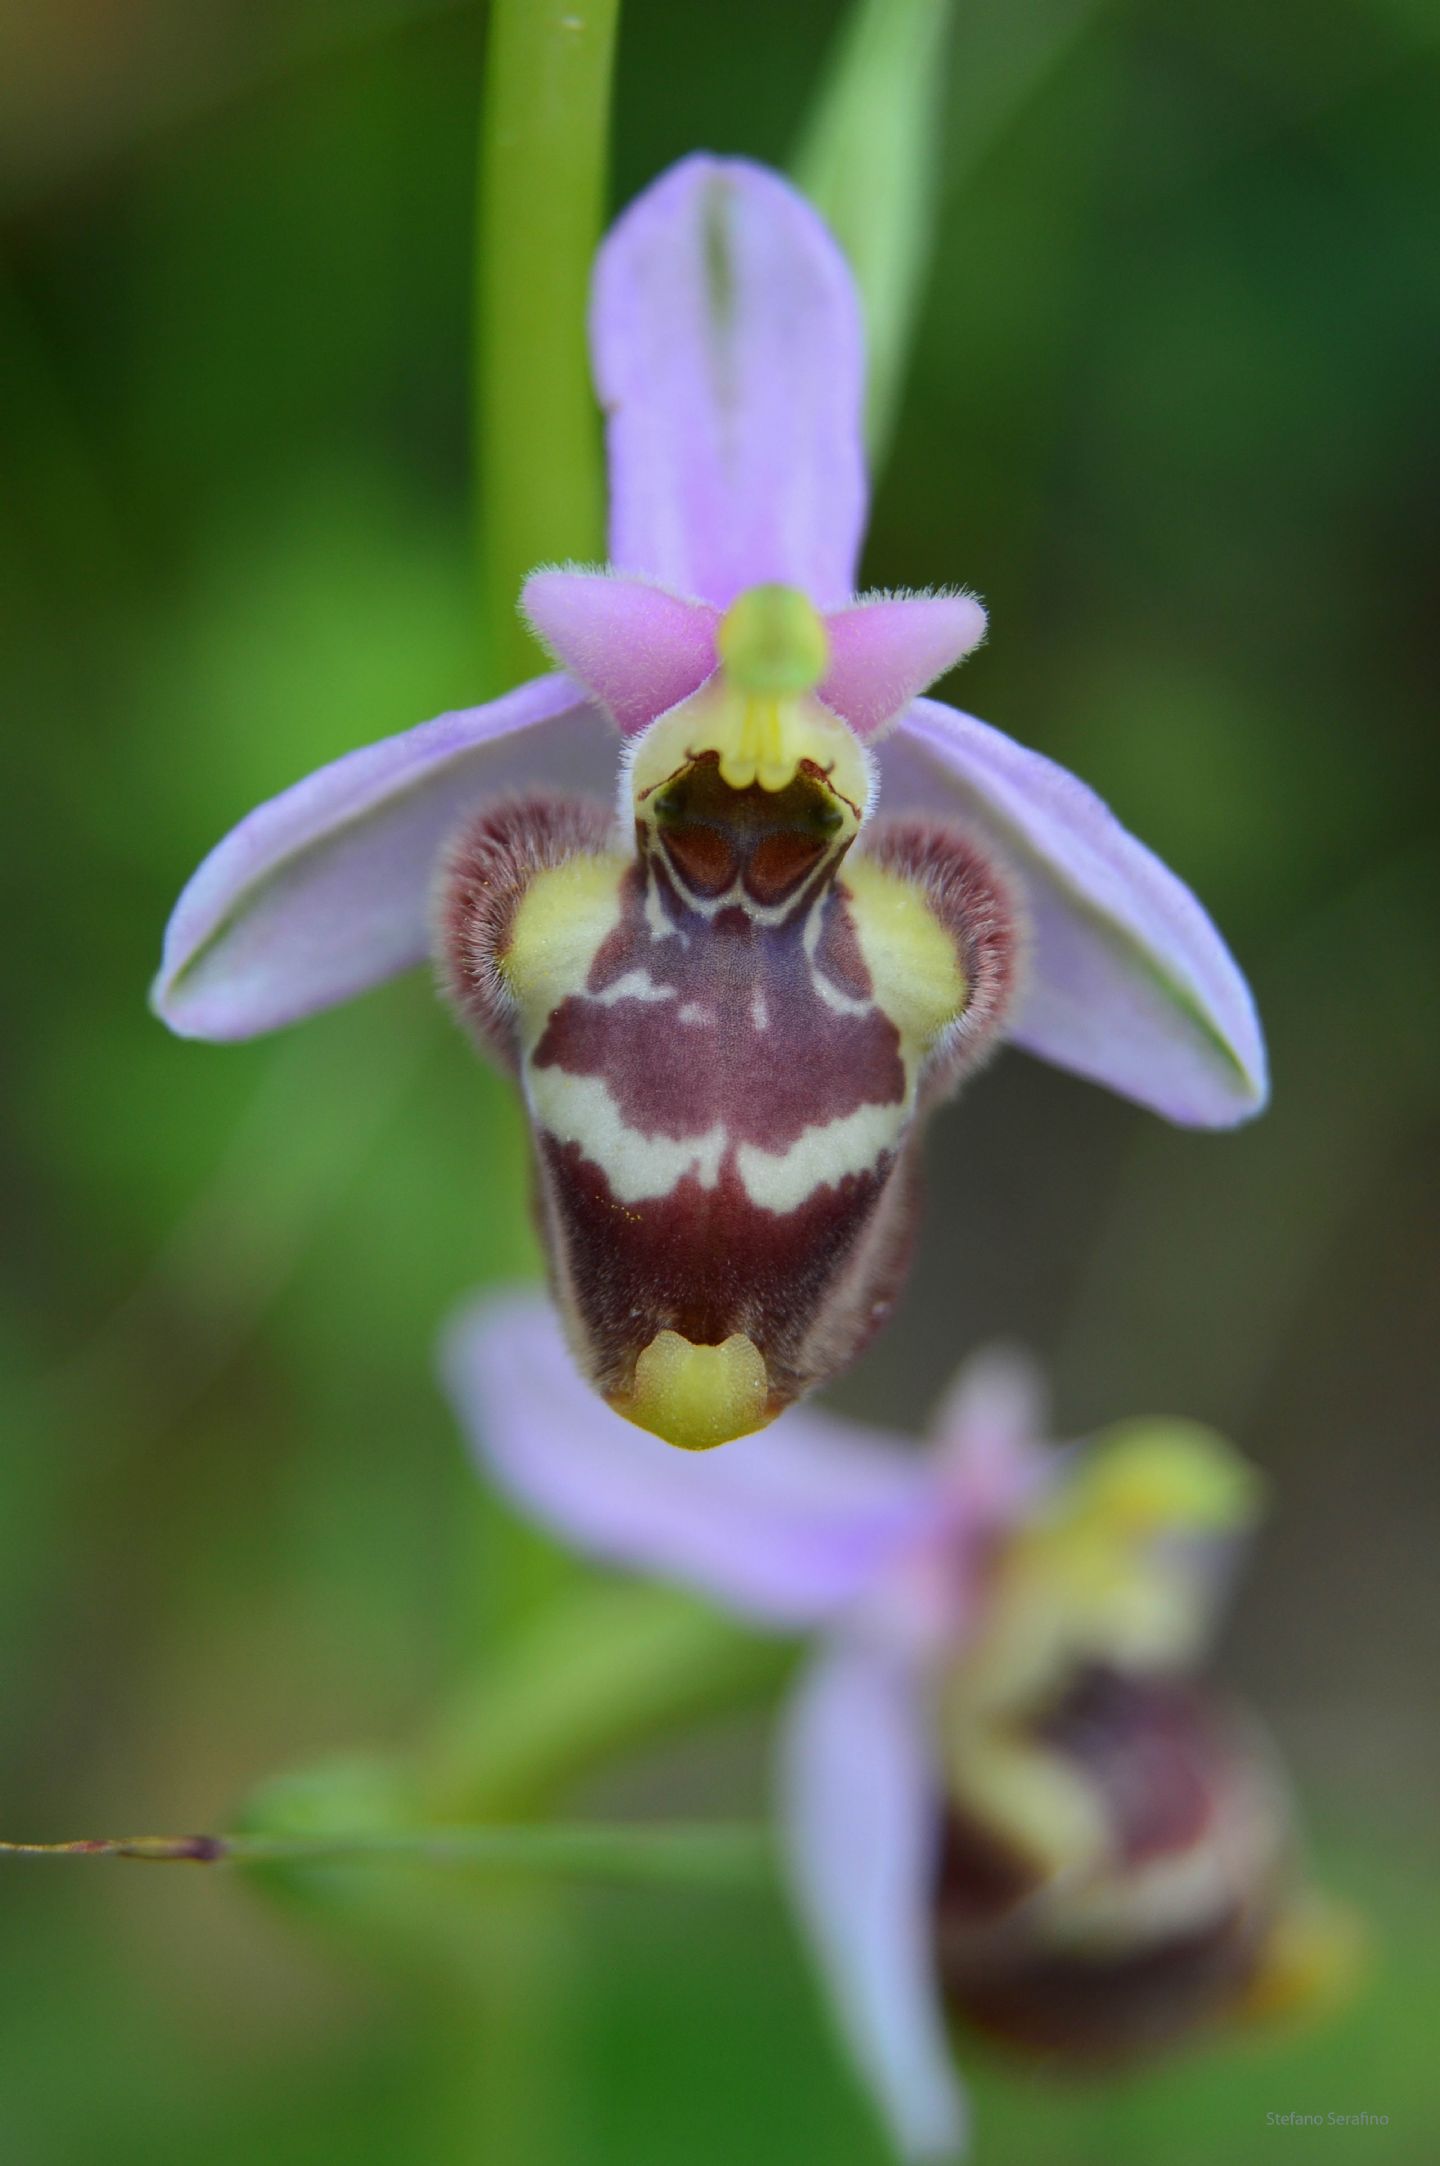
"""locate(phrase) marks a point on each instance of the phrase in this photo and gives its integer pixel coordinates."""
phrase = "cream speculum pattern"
(727, 1033)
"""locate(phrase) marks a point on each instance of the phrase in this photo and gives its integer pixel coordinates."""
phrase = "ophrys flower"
(658, 884)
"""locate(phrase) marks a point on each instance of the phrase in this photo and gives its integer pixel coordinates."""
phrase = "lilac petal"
(727, 347)
(1129, 983)
(860, 1800)
(325, 890)
(785, 1526)
(887, 648)
(639, 649)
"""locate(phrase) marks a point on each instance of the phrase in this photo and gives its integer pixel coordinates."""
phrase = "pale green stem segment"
(544, 137)
(721, 1854)
(869, 160)
(593, 1675)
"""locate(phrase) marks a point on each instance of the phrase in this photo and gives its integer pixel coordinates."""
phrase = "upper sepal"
(725, 330)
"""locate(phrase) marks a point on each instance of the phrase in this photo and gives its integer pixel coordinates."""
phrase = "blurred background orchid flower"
(1010, 1800)
(728, 1026)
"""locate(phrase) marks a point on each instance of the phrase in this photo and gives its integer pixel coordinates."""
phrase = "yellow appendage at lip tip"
(698, 1396)
(1311, 1966)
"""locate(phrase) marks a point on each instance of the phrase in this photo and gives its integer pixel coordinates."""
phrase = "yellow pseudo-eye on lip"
(759, 712)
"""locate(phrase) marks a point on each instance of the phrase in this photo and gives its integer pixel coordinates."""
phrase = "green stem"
(544, 138)
(717, 1855)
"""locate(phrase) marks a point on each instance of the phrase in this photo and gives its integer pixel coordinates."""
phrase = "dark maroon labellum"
(727, 1043)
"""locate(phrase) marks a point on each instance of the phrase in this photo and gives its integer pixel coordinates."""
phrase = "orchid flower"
(655, 882)
(1008, 1801)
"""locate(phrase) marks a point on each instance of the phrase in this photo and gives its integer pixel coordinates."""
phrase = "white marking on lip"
(759, 1009)
(657, 918)
(580, 1109)
(737, 897)
(634, 985)
(821, 1156)
(843, 1003)
(692, 1012)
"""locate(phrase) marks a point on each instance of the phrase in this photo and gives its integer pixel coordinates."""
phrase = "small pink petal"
(638, 648)
(885, 651)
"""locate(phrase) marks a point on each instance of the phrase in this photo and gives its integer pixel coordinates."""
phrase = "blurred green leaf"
(870, 162)
(607, 1667)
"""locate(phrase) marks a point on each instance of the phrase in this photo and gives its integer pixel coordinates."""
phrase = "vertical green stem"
(544, 144)
(539, 496)
(543, 151)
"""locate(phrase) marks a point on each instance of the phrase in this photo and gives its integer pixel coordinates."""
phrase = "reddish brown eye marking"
(769, 841)
(705, 858)
(779, 864)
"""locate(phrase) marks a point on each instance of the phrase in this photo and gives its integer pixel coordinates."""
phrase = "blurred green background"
(1172, 412)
